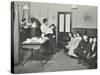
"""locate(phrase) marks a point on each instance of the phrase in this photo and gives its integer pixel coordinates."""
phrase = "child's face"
(94, 39)
(74, 35)
(52, 27)
(23, 23)
(77, 34)
(90, 40)
(85, 37)
(70, 35)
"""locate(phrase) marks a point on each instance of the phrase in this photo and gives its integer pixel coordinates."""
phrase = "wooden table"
(33, 46)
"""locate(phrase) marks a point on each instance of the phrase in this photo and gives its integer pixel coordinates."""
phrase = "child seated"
(80, 51)
(92, 61)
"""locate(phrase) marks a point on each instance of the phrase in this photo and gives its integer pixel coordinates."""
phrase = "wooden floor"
(59, 62)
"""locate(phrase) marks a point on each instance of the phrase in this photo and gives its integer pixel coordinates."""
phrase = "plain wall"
(43, 10)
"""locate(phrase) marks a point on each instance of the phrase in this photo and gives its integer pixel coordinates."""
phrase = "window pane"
(67, 29)
(61, 23)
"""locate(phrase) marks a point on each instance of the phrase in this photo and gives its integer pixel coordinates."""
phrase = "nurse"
(45, 29)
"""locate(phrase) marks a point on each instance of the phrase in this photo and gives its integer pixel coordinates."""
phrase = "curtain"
(16, 34)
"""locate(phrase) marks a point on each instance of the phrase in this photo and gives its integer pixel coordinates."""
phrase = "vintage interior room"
(53, 53)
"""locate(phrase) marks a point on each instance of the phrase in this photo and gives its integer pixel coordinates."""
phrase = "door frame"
(57, 30)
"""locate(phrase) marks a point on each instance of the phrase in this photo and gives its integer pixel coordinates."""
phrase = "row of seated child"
(84, 48)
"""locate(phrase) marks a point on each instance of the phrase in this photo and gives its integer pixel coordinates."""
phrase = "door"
(64, 24)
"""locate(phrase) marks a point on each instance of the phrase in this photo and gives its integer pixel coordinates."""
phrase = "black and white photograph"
(50, 37)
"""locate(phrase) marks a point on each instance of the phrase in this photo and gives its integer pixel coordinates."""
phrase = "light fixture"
(25, 7)
(74, 7)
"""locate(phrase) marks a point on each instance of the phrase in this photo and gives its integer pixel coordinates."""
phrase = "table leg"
(26, 57)
(20, 55)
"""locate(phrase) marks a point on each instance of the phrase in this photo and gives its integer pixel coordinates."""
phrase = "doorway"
(64, 24)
